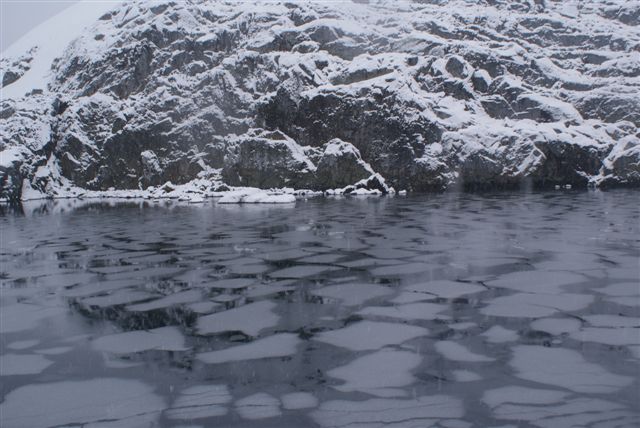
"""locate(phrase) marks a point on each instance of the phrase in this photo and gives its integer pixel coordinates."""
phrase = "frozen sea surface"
(453, 310)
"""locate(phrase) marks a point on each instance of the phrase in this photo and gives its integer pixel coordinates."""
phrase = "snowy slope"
(322, 95)
(49, 41)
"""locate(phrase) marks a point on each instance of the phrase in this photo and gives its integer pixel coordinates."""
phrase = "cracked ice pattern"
(445, 310)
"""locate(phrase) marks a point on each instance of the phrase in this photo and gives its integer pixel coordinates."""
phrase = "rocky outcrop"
(12, 69)
(266, 159)
(340, 165)
(622, 165)
(316, 95)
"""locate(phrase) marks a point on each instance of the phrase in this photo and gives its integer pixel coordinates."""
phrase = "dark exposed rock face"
(321, 95)
(266, 159)
(340, 165)
(622, 166)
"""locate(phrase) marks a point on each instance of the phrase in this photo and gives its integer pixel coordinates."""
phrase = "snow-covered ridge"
(50, 39)
(321, 95)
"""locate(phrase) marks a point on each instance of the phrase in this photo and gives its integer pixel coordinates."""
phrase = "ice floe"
(97, 288)
(380, 412)
(556, 326)
(528, 305)
(551, 408)
(58, 350)
(249, 319)
(301, 271)
(227, 299)
(635, 351)
(161, 339)
(256, 196)
(613, 330)
(571, 261)
(298, 400)
(499, 334)
(612, 321)
(411, 297)
(445, 289)
(537, 281)
(258, 406)
(18, 364)
(401, 269)
(564, 368)
(608, 336)
(352, 294)
(278, 345)
(204, 307)
(465, 376)
(456, 352)
(114, 361)
(369, 335)
(520, 394)
(200, 401)
(621, 289)
(270, 289)
(286, 254)
(22, 344)
(118, 297)
(462, 325)
(246, 268)
(74, 403)
(369, 262)
(178, 298)
(22, 316)
(232, 283)
(322, 258)
(631, 301)
(389, 253)
(410, 311)
(379, 373)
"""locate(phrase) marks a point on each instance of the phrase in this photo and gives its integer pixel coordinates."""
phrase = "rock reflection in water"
(451, 310)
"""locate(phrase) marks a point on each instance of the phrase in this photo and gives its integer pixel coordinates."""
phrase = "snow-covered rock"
(320, 95)
(340, 165)
(266, 159)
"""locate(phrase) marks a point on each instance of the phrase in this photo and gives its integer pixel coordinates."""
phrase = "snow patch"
(75, 18)
(256, 196)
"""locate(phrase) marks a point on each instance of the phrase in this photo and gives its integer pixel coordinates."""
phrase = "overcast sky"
(17, 17)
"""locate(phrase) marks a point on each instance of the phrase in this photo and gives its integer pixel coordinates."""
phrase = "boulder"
(340, 165)
(372, 185)
(151, 169)
(564, 163)
(481, 81)
(266, 159)
(622, 165)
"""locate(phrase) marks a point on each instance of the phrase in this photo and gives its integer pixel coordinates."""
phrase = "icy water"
(454, 310)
